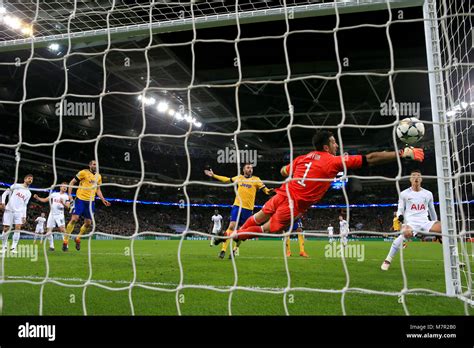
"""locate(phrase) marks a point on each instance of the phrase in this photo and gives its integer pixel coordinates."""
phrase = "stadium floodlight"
(162, 106)
(54, 47)
(27, 30)
(3, 10)
(12, 22)
(178, 116)
(147, 101)
(171, 112)
(198, 124)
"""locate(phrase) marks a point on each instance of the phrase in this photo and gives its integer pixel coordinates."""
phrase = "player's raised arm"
(38, 198)
(221, 178)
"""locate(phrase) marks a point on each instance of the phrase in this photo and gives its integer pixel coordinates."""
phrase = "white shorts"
(11, 218)
(55, 220)
(39, 229)
(420, 226)
(216, 230)
(331, 234)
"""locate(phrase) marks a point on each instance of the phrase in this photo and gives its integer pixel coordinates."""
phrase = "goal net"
(457, 50)
(155, 92)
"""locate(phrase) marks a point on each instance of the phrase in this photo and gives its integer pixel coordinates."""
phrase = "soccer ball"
(410, 130)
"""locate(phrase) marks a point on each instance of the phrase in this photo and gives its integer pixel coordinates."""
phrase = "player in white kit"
(40, 220)
(414, 204)
(57, 201)
(331, 233)
(15, 211)
(343, 230)
(217, 225)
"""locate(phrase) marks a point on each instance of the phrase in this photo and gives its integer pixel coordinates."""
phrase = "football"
(410, 130)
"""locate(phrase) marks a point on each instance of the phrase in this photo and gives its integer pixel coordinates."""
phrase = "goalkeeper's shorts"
(279, 209)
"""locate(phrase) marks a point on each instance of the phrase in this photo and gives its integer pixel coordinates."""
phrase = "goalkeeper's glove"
(400, 218)
(413, 153)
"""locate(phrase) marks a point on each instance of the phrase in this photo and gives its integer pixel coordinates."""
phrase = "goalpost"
(449, 51)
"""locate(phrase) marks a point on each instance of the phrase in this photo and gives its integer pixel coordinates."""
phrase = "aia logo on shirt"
(417, 206)
(246, 185)
(92, 182)
(22, 196)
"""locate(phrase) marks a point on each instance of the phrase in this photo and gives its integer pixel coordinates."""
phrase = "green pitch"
(260, 266)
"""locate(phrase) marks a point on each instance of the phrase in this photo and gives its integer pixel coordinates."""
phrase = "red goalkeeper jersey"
(315, 165)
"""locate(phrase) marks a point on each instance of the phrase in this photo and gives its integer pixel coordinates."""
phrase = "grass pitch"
(260, 266)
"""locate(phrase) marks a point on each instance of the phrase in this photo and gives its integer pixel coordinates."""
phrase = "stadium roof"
(313, 87)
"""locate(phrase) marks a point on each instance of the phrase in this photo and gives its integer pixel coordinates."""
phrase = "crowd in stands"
(118, 219)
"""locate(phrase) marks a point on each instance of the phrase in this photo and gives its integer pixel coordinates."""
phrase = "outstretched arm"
(378, 158)
(221, 178)
(43, 200)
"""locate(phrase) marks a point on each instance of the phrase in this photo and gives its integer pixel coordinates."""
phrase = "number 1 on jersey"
(301, 182)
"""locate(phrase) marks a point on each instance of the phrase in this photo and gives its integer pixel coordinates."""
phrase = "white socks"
(51, 240)
(4, 240)
(16, 239)
(396, 244)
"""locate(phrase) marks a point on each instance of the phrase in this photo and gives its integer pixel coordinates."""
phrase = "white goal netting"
(94, 31)
(457, 49)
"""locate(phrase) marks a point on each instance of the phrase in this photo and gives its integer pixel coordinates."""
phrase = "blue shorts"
(244, 215)
(298, 224)
(81, 208)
